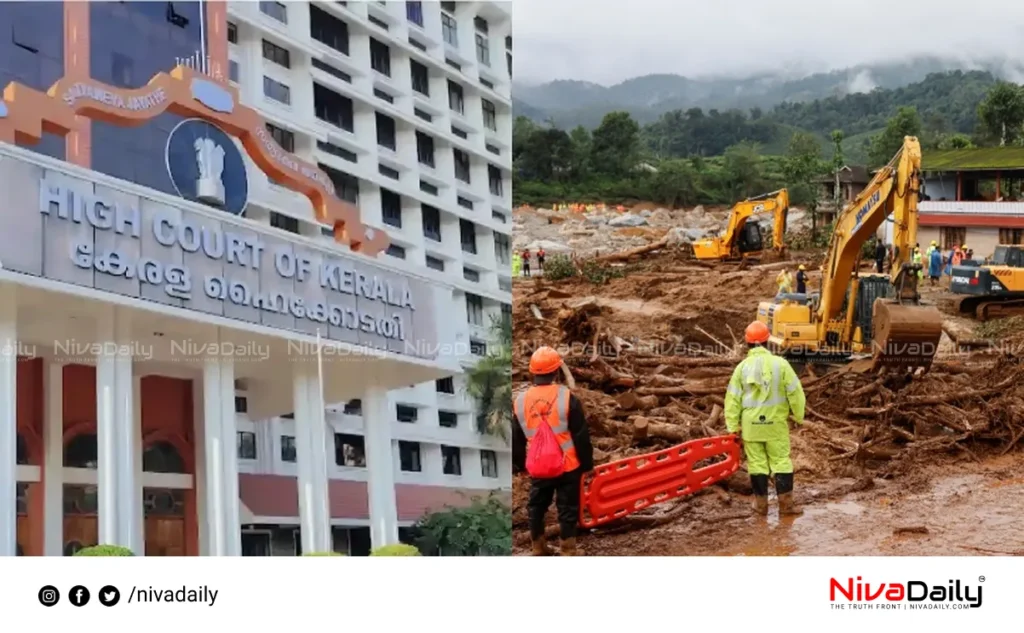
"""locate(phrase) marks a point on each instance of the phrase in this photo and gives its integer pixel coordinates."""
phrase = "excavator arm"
(727, 245)
(898, 326)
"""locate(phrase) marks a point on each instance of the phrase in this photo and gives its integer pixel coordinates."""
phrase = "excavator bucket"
(905, 335)
(614, 490)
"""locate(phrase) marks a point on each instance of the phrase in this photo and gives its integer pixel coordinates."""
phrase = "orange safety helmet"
(545, 361)
(757, 332)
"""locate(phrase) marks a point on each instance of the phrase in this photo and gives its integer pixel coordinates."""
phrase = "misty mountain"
(570, 103)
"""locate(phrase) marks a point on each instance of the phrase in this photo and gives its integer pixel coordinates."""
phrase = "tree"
(546, 155)
(484, 528)
(675, 184)
(581, 143)
(489, 383)
(906, 122)
(957, 141)
(802, 168)
(742, 167)
(1002, 112)
(615, 145)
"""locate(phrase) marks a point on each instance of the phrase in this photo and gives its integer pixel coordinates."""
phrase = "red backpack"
(545, 459)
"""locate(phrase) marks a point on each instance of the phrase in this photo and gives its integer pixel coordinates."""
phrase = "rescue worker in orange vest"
(552, 402)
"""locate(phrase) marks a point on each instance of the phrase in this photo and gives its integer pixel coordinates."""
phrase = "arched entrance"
(168, 499)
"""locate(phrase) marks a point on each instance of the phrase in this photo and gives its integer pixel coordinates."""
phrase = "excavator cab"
(750, 239)
(992, 290)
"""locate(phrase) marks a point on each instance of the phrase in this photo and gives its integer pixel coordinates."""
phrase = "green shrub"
(598, 273)
(104, 550)
(483, 528)
(559, 267)
(323, 554)
(400, 549)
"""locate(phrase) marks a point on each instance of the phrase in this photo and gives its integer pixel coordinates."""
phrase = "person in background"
(547, 402)
(880, 253)
(785, 281)
(934, 246)
(526, 262)
(517, 264)
(801, 280)
(968, 252)
(917, 260)
(934, 265)
(540, 259)
(958, 256)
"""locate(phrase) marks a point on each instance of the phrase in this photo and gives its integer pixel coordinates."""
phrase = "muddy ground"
(883, 466)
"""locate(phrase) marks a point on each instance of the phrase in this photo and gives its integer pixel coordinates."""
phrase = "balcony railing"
(978, 207)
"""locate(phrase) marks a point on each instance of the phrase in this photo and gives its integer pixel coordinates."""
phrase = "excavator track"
(617, 489)
(905, 335)
(985, 308)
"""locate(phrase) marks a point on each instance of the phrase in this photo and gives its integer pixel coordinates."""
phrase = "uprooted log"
(624, 255)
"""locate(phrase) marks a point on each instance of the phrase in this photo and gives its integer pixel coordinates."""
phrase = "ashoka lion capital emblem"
(210, 160)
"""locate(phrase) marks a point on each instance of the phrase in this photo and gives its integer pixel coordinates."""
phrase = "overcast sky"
(607, 41)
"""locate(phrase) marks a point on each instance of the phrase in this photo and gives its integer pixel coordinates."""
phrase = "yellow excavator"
(856, 312)
(742, 239)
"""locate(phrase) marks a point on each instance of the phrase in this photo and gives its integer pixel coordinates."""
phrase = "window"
(327, 29)
(232, 33)
(396, 251)
(246, 445)
(346, 186)
(508, 58)
(332, 107)
(417, 44)
(409, 456)
(335, 150)
(455, 97)
(377, 21)
(420, 77)
(500, 217)
(425, 148)
(504, 283)
(449, 29)
(121, 70)
(431, 223)
(502, 251)
(1010, 236)
(414, 12)
(353, 407)
(349, 450)
(275, 10)
(380, 94)
(423, 115)
(490, 115)
(445, 385)
(449, 7)
(276, 54)
(385, 131)
(477, 347)
(241, 404)
(331, 70)
(233, 70)
(288, 448)
(448, 419)
(426, 187)
(453, 64)
(283, 137)
(457, 132)
(488, 463)
(277, 90)
(950, 236)
(492, 149)
(470, 275)
(508, 42)
(406, 413)
(461, 165)
(468, 234)
(506, 313)
(452, 458)
(474, 309)
(384, 170)
(288, 416)
(284, 222)
(483, 50)
(380, 57)
(487, 83)
(494, 181)
(435, 263)
(391, 208)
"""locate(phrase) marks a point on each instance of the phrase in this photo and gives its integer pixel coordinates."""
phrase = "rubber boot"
(540, 547)
(568, 547)
(784, 486)
(759, 484)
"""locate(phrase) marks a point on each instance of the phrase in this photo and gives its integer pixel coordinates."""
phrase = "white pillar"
(229, 459)
(310, 440)
(200, 481)
(53, 459)
(138, 516)
(381, 468)
(129, 491)
(213, 456)
(8, 420)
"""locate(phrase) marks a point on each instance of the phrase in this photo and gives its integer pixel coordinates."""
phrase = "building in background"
(405, 106)
(974, 197)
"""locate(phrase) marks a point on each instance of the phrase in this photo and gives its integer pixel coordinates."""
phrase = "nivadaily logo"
(914, 594)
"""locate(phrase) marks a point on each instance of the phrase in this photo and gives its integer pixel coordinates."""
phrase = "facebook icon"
(79, 596)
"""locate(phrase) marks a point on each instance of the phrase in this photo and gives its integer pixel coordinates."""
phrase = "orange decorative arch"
(25, 114)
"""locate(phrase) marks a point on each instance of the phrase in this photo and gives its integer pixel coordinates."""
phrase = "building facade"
(400, 111)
